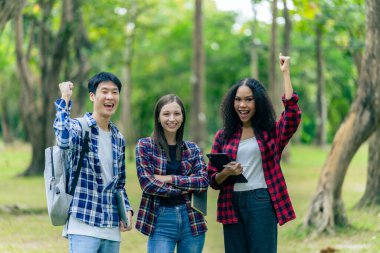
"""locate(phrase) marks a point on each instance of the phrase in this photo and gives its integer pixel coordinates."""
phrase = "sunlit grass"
(28, 228)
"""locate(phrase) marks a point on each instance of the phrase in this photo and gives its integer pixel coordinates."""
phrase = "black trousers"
(256, 229)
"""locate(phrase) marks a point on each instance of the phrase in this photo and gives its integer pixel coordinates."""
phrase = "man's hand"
(66, 89)
(121, 224)
(284, 63)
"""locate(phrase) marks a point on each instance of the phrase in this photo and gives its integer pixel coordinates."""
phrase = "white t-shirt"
(78, 227)
(249, 155)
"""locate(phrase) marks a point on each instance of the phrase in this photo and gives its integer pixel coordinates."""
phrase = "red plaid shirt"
(151, 160)
(271, 144)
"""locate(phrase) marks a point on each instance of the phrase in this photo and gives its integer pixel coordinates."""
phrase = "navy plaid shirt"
(151, 160)
(93, 202)
(271, 144)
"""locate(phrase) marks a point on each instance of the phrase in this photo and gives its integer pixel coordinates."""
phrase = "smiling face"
(171, 118)
(244, 104)
(105, 99)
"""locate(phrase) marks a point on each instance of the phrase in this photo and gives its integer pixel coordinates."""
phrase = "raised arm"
(285, 68)
(291, 116)
(66, 130)
(66, 89)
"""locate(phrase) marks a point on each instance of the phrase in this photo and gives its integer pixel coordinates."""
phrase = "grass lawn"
(25, 227)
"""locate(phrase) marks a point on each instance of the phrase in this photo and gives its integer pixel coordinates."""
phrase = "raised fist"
(284, 62)
(66, 89)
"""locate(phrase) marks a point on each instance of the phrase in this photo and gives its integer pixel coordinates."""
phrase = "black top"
(173, 168)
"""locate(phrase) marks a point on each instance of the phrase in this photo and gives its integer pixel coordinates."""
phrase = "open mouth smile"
(109, 106)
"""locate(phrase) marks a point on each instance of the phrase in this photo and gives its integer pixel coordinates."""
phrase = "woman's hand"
(232, 168)
(285, 68)
(164, 178)
(284, 63)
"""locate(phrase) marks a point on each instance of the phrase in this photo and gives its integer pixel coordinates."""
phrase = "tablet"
(218, 160)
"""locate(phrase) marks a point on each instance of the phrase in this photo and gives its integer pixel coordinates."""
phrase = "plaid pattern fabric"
(150, 160)
(271, 145)
(93, 202)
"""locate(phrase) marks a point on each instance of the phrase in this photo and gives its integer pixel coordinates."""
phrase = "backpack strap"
(85, 132)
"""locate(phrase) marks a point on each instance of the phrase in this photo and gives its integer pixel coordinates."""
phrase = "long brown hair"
(158, 131)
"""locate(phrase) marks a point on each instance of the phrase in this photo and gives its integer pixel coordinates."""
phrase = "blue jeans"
(172, 229)
(256, 229)
(88, 244)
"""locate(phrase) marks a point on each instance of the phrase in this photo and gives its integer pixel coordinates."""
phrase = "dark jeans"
(256, 229)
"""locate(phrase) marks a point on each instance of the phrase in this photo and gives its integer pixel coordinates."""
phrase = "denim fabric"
(88, 244)
(256, 229)
(172, 229)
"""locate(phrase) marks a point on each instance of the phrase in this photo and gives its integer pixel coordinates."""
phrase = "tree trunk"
(8, 10)
(286, 155)
(126, 115)
(254, 45)
(198, 117)
(7, 136)
(287, 29)
(37, 97)
(81, 63)
(371, 196)
(274, 89)
(327, 209)
(320, 135)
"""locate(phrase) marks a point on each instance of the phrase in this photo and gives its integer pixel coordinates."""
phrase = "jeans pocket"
(262, 195)
(160, 211)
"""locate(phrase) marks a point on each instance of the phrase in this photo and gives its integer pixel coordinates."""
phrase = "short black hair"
(103, 77)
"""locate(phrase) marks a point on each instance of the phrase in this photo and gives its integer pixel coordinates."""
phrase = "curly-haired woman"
(254, 141)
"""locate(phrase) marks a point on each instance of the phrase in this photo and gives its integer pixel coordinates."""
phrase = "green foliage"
(162, 56)
(9, 83)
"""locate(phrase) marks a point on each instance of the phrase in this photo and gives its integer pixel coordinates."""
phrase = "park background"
(198, 50)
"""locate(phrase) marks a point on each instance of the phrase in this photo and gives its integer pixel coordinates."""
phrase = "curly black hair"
(264, 117)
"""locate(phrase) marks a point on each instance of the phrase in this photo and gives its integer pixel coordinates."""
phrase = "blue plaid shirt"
(93, 202)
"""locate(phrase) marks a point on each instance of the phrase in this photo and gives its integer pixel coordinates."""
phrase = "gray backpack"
(58, 197)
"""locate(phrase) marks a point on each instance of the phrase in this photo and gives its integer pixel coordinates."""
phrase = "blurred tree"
(327, 208)
(254, 42)
(5, 125)
(198, 116)
(287, 32)
(8, 10)
(126, 126)
(9, 87)
(38, 93)
(228, 58)
(287, 29)
(371, 196)
(274, 89)
(77, 64)
(134, 10)
(320, 135)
